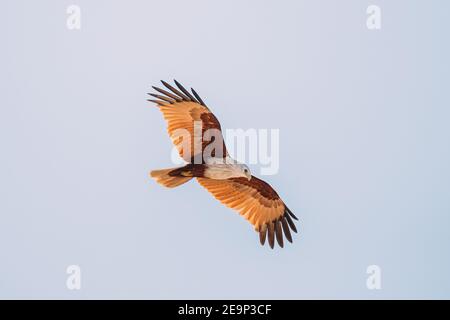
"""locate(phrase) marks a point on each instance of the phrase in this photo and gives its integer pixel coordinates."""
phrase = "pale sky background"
(364, 148)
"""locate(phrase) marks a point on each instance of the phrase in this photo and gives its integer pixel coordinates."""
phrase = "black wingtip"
(182, 95)
(198, 98)
(279, 233)
(291, 214)
(290, 222)
(271, 234)
(158, 102)
(262, 236)
(287, 232)
(183, 89)
(178, 93)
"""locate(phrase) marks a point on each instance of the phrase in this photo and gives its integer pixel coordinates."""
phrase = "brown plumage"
(230, 183)
(182, 111)
(256, 201)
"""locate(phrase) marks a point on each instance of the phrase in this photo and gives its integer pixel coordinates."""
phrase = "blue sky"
(364, 157)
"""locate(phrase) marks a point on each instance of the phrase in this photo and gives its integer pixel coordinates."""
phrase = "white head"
(226, 171)
(244, 171)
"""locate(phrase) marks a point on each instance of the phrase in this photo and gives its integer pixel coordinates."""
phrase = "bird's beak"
(249, 176)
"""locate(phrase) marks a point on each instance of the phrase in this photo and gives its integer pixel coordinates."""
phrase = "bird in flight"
(193, 129)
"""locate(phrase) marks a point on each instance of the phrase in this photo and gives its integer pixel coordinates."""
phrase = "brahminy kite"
(188, 122)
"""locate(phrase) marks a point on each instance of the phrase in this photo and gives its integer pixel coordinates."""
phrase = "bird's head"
(230, 169)
(244, 171)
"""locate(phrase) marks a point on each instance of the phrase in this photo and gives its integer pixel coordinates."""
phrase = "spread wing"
(258, 202)
(188, 118)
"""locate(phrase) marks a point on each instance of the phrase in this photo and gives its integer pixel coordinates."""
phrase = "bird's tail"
(170, 178)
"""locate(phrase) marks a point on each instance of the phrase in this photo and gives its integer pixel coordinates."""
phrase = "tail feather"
(164, 178)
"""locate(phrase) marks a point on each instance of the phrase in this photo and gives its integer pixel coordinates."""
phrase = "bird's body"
(189, 122)
(210, 171)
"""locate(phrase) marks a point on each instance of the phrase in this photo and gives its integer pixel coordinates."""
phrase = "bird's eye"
(245, 170)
